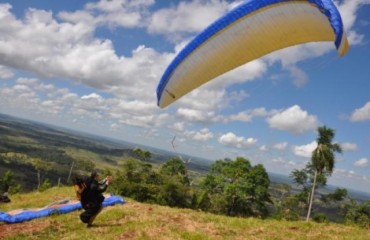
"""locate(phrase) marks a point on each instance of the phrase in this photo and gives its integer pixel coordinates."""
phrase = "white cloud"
(280, 146)
(193, 115)
(202, 135)
(117, 13)
(348, 10)
(279, 160)
(263, 148)
(363, 162)
(231, 140)
(348, 147)
(203, 99)
(178, 126)
(5, 73)
(68, 50)
(305, 150)
(92, 96)
(299, 76)
(361, 114)
(294, 120)
(187, 17)
(247, 116)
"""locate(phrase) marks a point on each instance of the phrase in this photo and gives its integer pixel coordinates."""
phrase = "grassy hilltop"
(134, 220)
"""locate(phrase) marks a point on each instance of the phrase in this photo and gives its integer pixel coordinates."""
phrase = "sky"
(94, 66)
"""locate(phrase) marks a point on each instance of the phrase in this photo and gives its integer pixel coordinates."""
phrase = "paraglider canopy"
(249, 31)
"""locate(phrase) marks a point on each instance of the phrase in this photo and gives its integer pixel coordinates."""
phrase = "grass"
(134, 220)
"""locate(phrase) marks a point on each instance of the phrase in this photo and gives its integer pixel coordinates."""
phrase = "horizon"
(283, 178)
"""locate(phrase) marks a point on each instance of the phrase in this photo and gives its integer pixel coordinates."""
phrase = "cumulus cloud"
(202, 135)
(280, 146)
(348, 147)
(363, 162)
(299, 76)
(51, 49)
(187, 17)
(178, 126)
(348, 10)
(36, 98)
(248, 115)
(305, 150)
(117, 13)
(361, 114)
(195, 115)
(231, 140)
(294, 120)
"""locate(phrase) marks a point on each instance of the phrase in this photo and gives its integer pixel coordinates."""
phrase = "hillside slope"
(134, 220)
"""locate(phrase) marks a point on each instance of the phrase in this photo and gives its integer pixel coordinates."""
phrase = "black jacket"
(93, 195)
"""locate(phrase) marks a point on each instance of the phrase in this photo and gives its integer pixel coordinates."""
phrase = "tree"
(236, 188)
(142, 154)
(338, 195)
(323, 158)
(304, 179)
(138, 180)
(176, 168)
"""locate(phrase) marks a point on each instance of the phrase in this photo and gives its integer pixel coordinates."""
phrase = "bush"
(320, 217)
(45, 185)
(357, 213)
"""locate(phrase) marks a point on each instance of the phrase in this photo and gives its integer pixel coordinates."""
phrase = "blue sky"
(95, 65)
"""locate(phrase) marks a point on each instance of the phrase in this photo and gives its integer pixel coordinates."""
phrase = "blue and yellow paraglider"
(251, 30)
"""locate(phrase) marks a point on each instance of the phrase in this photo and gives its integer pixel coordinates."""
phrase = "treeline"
(234, 188)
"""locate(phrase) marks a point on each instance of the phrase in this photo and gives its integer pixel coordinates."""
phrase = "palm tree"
(323, 158)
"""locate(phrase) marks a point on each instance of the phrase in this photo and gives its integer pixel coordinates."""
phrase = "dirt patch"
(128, 235)
(7, 230)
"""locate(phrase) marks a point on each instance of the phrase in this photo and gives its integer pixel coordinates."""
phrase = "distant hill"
(61, 147)
(22, 140)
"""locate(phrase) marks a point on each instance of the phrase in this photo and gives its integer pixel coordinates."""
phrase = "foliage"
(40, 166)
(236, 188)
(323, 158)
(142, 154)
(8, 184)
(338, 195)
(176, 169)
(45, 185)
(85, 165)
(320, 217)
(304, 179)
(357, 213)
(174, 194)
(136, 180)
(286, 205)
(167, 186)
